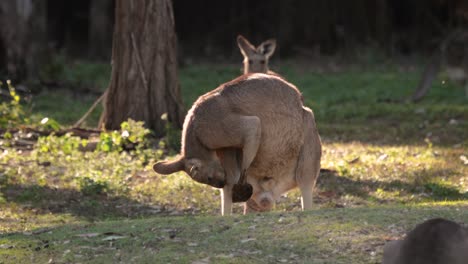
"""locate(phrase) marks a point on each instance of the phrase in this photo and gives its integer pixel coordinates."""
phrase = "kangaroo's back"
(262, 95)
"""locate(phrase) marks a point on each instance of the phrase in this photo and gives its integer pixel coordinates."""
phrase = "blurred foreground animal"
(256, 58)
(435, 241)
(452, 57)
(252, 137)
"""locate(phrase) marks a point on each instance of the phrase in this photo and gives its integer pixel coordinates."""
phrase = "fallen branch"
(90, 110)
(76, 131)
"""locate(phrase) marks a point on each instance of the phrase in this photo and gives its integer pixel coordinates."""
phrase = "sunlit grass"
(348, 235)
(393, 164)
(364, 174)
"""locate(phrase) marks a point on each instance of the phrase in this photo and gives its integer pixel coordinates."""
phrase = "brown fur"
(260, 129)
(256, 58)
(435, 241)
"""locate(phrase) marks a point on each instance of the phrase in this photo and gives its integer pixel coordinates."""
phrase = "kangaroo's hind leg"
(236, 139)
(308, 165)
(230, 162)
(238, 132)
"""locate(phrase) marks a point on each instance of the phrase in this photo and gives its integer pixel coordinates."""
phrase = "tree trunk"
(143, 83)
(22, 37)
(100, 29)
(430, 73)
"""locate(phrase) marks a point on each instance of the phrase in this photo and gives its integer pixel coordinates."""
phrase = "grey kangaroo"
(256, 58)
(229, 138)
(435, 241)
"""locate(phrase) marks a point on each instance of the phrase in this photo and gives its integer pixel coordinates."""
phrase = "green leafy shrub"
(12, 113)
(132, 135)
(49, 124)
(134, 132)
(89, 186)
(443, 190)
(173, 135)
(66, 144)
(110, 141)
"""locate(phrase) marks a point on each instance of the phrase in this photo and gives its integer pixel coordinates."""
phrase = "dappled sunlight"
(398, 162)
(343, 235)
(97, 185)
(383, 157)
(395, 173)
(16, 217)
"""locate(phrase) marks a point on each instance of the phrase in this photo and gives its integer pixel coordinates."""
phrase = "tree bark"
(22, 37)
(143, 83)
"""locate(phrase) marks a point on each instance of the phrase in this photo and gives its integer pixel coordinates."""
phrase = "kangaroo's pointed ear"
(267, 47)
(168, 167)
(193, 166)
(245, 46)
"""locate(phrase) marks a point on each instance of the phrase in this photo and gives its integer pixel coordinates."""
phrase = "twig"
(79, 132)
(90, 110)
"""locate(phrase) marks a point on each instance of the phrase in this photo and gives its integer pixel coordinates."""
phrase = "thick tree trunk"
(100, 29)
(22, 37)
(143, 82)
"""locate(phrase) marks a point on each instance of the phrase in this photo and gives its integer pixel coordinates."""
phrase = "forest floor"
(392, 165)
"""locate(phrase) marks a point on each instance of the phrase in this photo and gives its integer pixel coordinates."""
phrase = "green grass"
(352, 235)
(68, 108)
(394, 164)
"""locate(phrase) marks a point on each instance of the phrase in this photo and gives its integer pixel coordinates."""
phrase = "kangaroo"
(256, 58)
(452, 56)
(231, 141)
(435, 241)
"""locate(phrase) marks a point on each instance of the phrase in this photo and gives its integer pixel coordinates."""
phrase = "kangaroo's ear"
(168, 167)
(245, 46)
(193, 165)
(267, 47)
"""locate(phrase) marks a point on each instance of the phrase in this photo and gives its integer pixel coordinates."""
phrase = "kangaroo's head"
(256, 59)
(204, 171)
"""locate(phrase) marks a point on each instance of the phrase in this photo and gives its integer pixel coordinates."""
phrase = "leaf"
(89, 235)
(6, 246)
(464, 159)
(382, 157)
(247, 240)
(112, 238)
(204, 230)
(202, 261)
(231, 255)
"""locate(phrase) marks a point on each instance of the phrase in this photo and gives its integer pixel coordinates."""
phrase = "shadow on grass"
(387, 132)
(44, 200)
(365, 189)
(101, 206)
